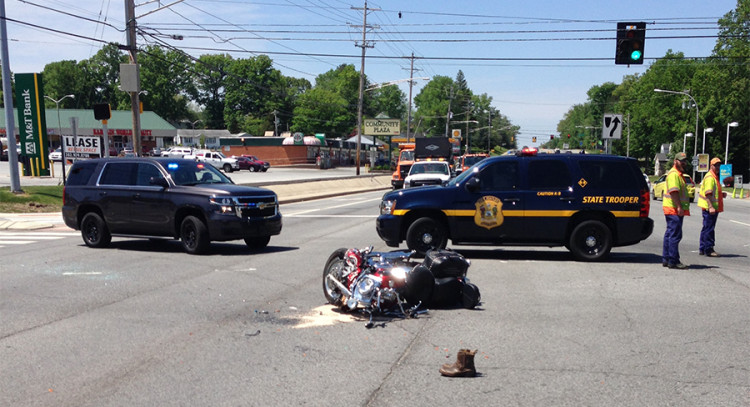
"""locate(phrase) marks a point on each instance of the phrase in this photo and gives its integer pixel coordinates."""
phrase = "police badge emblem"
(489, 212)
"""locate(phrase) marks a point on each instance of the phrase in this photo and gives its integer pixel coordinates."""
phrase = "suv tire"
(426, 234)
(591, 240)
(194, 235)
(94, 231)
(227, 168)
(257, 243)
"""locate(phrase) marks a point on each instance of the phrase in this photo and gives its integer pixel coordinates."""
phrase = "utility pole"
(134, 95)
(364, 47)
(411, 84)
(448, 115)
(10, 124)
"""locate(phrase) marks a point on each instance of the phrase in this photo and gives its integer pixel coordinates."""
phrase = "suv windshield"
(194, 173)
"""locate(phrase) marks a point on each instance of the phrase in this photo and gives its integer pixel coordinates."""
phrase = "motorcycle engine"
(364, 291)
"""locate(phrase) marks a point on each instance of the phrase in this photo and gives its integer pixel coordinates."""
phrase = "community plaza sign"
(382, 127)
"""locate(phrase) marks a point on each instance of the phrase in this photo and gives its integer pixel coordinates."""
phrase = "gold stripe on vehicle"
(538, 214)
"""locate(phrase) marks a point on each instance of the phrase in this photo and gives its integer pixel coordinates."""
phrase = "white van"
(177, 152)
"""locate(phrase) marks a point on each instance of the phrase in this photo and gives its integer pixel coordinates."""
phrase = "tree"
(163, 76)
(432, 104)
(209, 75)
(389, 100)
(253, 91)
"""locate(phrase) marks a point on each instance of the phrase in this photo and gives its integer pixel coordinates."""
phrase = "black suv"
(587, 203)
(168, 198)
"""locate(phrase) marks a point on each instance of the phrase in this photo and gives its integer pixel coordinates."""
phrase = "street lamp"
(59, 129)
(695, 146)
(192, 124)
(684, 140)
(706, 130)
(726, 150)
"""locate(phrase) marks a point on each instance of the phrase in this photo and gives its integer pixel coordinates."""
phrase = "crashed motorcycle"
(393, 284)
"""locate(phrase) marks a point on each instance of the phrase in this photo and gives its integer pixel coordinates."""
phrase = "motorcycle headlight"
(387, 207)
(399, 273)
(365, 289)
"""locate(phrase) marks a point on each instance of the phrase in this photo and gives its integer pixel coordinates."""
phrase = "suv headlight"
(224, 204)
(387, 207)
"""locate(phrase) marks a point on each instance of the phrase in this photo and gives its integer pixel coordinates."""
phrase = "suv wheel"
(253, 169)
(194, 235)
(591, 240)
(426, 234)
(257, 243)
(94, 231)
(227, 168)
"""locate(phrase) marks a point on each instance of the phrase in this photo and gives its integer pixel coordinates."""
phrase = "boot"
(462, 367)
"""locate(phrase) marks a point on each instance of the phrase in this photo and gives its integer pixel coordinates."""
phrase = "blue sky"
(308, 37)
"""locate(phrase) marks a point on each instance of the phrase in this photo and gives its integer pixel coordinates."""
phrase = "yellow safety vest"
(675, 181)
(711, 183)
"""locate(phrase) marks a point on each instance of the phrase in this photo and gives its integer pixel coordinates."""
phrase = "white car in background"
(56, 155)
(428, 173)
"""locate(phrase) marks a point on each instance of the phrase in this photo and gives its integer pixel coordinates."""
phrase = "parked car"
(156, 152)
(166, 198)
(252, 163)
(657, 192)
(56, 155)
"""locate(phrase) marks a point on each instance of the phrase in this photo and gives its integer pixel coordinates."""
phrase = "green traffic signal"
(636, 55)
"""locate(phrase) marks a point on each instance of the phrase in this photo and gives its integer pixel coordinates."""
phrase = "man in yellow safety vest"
(676, 206)
(711, 200)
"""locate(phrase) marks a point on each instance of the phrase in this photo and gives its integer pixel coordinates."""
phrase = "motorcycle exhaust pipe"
(338, 284)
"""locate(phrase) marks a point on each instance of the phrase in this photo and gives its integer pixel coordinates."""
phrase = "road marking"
(740, 223)
(19, 238)
(330, 216)
(331, 207)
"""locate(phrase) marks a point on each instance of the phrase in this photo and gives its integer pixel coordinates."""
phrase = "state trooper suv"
(166, 198)
(587, 203)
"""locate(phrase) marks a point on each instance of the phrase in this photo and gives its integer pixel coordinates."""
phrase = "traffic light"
(631, 38)
(102, 111)
(533, 139)
(568, 135)
(551, 136)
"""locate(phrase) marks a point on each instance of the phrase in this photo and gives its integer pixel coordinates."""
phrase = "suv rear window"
(81, 173)
(610, 174)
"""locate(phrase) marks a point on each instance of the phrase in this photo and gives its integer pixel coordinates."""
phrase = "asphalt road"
(146, 324)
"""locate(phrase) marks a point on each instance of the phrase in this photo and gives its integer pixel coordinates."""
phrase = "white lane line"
(331, 207)
(331, 216)
(16, 241)
(740, 223)
(36, 234)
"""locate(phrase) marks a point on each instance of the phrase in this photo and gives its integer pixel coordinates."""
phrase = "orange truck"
(422, 149)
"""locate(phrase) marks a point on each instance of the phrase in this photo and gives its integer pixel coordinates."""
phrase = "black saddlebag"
(446, 263)
(447, 292)
(419, 286)
(470, 296)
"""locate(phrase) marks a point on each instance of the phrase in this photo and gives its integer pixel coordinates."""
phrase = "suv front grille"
(264, 206)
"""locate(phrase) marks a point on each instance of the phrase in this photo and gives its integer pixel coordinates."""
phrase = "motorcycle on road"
(393, 284)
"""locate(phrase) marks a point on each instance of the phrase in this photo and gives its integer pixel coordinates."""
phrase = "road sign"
(702, 162)
(612, 126)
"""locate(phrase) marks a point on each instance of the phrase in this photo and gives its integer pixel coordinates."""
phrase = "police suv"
(587, 203)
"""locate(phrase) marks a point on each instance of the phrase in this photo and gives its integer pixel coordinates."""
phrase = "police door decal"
(489, 212)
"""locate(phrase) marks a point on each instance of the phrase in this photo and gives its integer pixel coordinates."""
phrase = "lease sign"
(32, 125)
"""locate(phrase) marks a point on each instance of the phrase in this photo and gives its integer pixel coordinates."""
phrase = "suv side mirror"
(159, 181)
(473, 184)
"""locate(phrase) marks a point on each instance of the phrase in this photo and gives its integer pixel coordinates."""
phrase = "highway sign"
(612, 126)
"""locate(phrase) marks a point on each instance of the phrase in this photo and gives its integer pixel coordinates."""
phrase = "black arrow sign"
(616, 122)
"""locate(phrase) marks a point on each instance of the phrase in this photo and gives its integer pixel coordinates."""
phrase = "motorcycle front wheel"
(334, 267)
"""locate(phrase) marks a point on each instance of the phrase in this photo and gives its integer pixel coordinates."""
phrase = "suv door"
(549, 197)
(151, 209)
(494, 200)
(115, 189)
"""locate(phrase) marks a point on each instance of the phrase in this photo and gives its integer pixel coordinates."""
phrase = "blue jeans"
(708, 237)
(671, 253)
